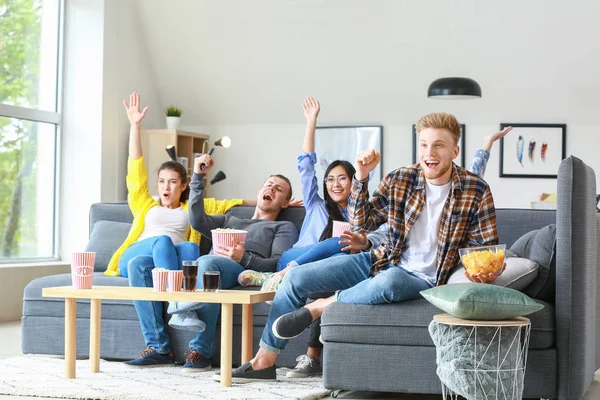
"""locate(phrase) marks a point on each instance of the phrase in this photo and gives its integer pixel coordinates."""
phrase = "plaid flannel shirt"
(468, 218)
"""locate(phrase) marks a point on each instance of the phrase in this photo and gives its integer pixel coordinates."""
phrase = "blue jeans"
(164, 253)
(308, 254)
(137, 263)
(350, 277)
(229, 270)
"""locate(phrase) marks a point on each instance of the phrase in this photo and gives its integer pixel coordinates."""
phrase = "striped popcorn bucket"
(175, 279)
(81, 276)
(84, 258)
(340, 227)
(227, 237)
(159, 279)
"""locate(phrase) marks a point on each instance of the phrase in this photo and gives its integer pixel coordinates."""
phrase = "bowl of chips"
(483, 264)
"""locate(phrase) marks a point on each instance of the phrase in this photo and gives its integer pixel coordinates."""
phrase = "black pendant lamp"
(454, 88)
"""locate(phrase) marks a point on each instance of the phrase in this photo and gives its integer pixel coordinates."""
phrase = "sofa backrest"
(512, 223)
(292, 214)
(111, 219)
(116, 212)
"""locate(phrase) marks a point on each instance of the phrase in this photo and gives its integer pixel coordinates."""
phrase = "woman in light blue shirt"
(320, 212)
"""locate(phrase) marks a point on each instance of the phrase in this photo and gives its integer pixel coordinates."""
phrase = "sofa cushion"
(405, 324)
(540, 246)
(519, 273)
(36, 305)
(481, 301)
(105, 239)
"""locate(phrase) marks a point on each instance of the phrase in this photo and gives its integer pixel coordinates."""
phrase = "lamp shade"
(218, 177)
(454, 88)
(223, 142)
(171, 152)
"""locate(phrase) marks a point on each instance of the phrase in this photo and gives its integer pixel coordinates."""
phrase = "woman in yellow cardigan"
(161, 232)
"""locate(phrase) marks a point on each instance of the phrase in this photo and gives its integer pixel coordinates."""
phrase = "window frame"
(48, 117)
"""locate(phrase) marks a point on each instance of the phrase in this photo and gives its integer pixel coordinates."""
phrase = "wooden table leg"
(95, 312)
(70, 337)
(226, 343)
(246, 333)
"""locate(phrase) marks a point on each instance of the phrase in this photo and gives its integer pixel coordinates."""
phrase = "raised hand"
(311, 108)
(365, 162)
(489, 140)
(134, 114)
(355, 242)
(206, 160)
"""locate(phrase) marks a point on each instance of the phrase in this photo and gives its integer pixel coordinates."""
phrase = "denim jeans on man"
(137, 263)
(350, 277)
(209, 313)
(307, 254)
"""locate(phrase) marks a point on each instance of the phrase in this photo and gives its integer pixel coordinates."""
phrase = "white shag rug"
(44, 377)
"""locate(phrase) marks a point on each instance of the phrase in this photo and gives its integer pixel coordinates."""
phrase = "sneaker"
(253, 278)
(271, 285)
(195, 362)
(149, 357)
(245, 373)
(187, 321)
(292, 324)
(307, 366)
(178, 307)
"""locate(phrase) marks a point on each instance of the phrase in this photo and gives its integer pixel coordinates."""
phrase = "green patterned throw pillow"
(481, 301)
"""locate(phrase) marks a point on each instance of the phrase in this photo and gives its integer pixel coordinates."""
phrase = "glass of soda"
(190, 273)
(211, 281)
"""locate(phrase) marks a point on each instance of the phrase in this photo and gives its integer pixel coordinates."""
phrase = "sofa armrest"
(577, 279)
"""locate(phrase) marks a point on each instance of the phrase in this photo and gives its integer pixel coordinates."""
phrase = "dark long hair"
(333, 208)
(180, 169)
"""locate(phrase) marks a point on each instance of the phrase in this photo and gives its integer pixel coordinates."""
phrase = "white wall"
(81, 139)
(242, 68)
(260, 150)
(105, 60)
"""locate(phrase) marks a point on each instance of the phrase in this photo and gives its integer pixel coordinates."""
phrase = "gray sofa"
(387, 348)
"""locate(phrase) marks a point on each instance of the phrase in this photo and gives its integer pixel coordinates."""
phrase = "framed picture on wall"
(460, 160)
(532, 150)
(342, 143)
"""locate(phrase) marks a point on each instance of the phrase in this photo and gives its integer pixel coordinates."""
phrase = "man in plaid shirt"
(432, 208)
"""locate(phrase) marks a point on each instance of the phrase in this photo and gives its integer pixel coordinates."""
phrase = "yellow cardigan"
(140, 202)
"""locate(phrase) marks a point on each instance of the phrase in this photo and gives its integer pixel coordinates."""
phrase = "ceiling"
(252, 62)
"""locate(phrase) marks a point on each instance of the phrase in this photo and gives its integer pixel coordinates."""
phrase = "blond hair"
(440, 120)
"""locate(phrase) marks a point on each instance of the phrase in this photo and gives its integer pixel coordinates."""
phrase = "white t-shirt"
(420, 257)
(173, 222)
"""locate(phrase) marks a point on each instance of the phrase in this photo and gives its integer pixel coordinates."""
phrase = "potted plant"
(173, 117)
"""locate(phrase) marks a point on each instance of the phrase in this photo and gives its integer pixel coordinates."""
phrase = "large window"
(30, 48)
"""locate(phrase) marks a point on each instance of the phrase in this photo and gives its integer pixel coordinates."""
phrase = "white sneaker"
(178, 307)
(187, 321)
(307, 366)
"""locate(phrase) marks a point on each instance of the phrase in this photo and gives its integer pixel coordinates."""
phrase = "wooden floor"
(10, 337)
